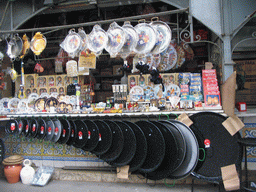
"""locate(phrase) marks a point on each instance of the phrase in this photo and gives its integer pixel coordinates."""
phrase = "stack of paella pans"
(157, 149)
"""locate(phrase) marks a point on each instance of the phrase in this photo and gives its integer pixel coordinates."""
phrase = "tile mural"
(249, 131)
(35, 149)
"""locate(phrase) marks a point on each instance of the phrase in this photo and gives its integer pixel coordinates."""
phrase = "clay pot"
(12, 173)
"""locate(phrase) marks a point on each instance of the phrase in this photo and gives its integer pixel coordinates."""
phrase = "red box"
(241, 106)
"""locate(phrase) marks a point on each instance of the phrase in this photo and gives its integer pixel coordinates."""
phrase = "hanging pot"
(83, 36)
(73, 130)
(181, 144)
(57, 131)
(141, 147)
(156, 146)
(34, 127)
(93, 136)
(14, 47)
(105, 138)
(130, 41)
(50, 130)
(66, 131)
(38, 43)
(222, 149)
(147, 38)
(97, 39)
(164, 35)
(169, 162)
(192, 152)
(42, 128)
(72, 44)
(26, 125)
(116, 39)
(81, 136)
(12, 126)
(129, 147)
(117, 142)
(20, 126)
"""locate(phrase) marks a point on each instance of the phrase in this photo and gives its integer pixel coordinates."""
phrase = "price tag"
(80, 135)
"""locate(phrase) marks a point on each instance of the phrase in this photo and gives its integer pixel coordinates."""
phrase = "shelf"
(108, 76)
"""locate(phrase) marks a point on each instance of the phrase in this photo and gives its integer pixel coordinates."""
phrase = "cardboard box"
(116, 70)
(246, 81)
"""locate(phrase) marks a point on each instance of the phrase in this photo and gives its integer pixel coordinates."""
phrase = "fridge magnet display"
(59, 81)
(67, 80)
(34, 90)
(61, 90)
(41, 81)
(30, 81)
(53, 90)
(51, 81)
(132, 81)
(42, 90)
(28, 92)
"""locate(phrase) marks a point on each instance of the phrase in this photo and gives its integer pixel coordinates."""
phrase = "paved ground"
(69, 186)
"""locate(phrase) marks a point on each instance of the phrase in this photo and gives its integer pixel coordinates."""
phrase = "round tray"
(117, 142)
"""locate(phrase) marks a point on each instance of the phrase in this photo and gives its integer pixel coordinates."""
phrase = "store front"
(87, 85)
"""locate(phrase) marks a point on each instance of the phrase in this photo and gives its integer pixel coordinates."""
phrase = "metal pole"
(94, 22)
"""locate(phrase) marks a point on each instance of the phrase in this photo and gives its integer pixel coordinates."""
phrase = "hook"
(163, 114)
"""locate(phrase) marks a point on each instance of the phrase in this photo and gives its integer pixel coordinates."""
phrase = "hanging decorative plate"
(147, 38)
(116, 39)
(69, 108)
(72, 43)
(38, 43)
(172, 90)
(33, 95)
(22, 106)
(158, 91)
(149, 93)
(31, 104)
(40, 104)
(45, 95)
(164, 35)
(13, 103)
(51, 102)
(62, 107)
(83, 36)
(14, 47)
(131, 40)
(147, 59)
(4, 102)
(168, 59)
(97, 39)
(136, 93)
(155, 61)
(181, 56)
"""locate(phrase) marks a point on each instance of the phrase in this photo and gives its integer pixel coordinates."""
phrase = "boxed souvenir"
(28, 91)
(184, 82)
(51, 81)
(52, 90)
(30, 80)
(75, 80)
(42, 90)
(67, 80)
(61, 90)
(142, 80)
(41, 81)
(132, 81)
(60, 80)
(196, 88)
(211, 88)
(35, 90)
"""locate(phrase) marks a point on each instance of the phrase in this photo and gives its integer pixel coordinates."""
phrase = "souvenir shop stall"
(127, 96)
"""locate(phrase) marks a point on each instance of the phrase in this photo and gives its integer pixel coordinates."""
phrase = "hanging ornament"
(26, 46)
(38, 43)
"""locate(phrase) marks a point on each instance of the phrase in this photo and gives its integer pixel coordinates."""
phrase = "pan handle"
(159, 117)
(202, 149)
